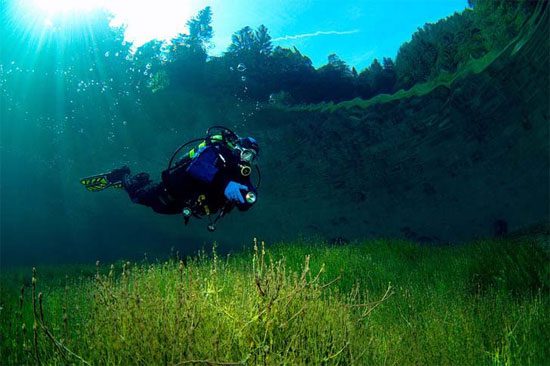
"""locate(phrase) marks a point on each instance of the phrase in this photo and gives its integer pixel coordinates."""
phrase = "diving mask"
(248, 149)
(248, 155)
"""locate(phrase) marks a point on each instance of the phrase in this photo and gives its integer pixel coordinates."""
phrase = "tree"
(389, 78)
(148, 63)
(501, 20)
(292, 72)
(200, 30)
(187, 57)
(263, 41)
(337, 64)
(198, 39)
(252, 49)
(242, 42)
(335, 81)
(376, 76)
(363, 84)
(416, 59)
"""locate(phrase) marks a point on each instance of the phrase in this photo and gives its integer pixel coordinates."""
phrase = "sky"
(356, 30)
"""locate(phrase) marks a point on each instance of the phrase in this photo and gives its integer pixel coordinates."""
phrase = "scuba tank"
(224, 135)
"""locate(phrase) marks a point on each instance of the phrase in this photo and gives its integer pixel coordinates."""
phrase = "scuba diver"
(211, 179)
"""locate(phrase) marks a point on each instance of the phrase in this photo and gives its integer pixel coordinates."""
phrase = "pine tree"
(263, 41)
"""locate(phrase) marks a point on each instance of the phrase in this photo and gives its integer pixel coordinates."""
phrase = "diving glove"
(233, 192)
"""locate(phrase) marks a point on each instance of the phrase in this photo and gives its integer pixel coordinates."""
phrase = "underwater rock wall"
(466, 160)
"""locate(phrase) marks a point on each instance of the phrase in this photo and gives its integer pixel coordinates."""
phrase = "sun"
(142, 20)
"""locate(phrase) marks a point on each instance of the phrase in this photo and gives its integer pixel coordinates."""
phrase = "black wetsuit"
(198, 183)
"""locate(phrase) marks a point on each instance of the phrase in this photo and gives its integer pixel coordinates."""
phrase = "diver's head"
(248, 149)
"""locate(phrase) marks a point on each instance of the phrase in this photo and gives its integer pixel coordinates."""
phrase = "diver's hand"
(233, 192)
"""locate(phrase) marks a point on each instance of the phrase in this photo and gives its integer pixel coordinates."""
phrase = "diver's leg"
(145, 192)
(118, 175)
(140, 188)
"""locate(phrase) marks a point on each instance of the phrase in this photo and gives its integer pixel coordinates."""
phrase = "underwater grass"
(376, 302)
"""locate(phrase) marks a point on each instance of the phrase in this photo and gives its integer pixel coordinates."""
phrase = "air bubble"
(241, 68)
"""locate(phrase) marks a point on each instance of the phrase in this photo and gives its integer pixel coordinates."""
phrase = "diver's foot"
(118, 175)
(113, 179)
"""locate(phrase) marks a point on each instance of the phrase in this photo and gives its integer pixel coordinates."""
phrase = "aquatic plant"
(290, 304)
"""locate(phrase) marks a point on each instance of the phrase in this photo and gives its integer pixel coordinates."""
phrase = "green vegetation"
(89, 56)
(435, 51)
(530, 35)
(379, 302)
